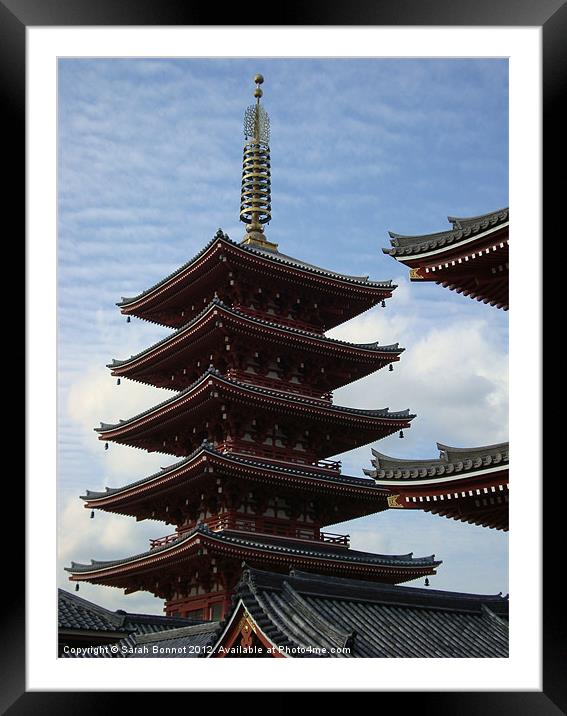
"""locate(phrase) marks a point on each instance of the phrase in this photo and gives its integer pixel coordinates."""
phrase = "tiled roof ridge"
(492, 616)
(205, 446)
(115, 618)
(372, 345)
(301, 548)
(312, 583)
(458, 221)
(177, 632)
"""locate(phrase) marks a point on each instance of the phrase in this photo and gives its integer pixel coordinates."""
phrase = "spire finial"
(255, 198)
(259, 80)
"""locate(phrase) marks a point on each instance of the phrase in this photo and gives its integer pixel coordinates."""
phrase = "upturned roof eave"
(373, 347)
(406, 248)
(294, 399)
(270, 258)
(347, 588)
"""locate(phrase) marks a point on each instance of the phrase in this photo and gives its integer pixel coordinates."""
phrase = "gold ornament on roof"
(255, 196)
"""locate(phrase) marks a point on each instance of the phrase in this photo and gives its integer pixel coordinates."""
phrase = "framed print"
(81, 57)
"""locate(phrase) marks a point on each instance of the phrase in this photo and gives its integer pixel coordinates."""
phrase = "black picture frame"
(551, 16)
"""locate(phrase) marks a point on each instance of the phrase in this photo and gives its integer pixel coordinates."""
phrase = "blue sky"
(150, 158)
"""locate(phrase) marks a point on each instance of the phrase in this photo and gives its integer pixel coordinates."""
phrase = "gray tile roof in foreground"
(175, 642)
(462, 229)
(274, 256)
(270, 545)
(78, 614)
(310, 611)
(451, 460)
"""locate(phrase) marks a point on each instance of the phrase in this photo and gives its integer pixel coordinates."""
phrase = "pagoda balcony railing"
(229, 522)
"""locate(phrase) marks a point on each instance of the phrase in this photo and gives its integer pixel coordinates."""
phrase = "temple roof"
(77, 614)
(257, 390)
(184, 642)
(462, 230)
(451, 461)
(175, 642)
(291, 330)
(256, 463)
(274, 257)
(266, 543)
(310, 611)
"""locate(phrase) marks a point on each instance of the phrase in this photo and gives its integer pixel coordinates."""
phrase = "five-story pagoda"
(252, 419)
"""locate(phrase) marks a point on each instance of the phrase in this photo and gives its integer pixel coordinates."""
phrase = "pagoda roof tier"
(468, 484)
(266, 550)
(471, 258)
(173, 299)
(188, 408)
(198, 337)
(365, 497)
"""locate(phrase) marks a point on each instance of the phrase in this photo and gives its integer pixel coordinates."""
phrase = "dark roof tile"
(309, 611)
(462, 229)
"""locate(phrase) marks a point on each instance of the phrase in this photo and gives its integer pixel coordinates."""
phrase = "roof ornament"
(255, 196)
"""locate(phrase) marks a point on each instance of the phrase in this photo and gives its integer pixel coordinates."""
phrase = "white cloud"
(453, 373)
(94, 394)
(106, 536)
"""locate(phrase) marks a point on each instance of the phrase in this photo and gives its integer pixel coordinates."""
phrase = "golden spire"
(255, 197)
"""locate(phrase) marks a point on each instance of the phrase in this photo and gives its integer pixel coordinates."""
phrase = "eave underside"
(479, 272)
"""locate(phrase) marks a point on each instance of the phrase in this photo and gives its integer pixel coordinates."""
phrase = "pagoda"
(470, 258)
(251, 419)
